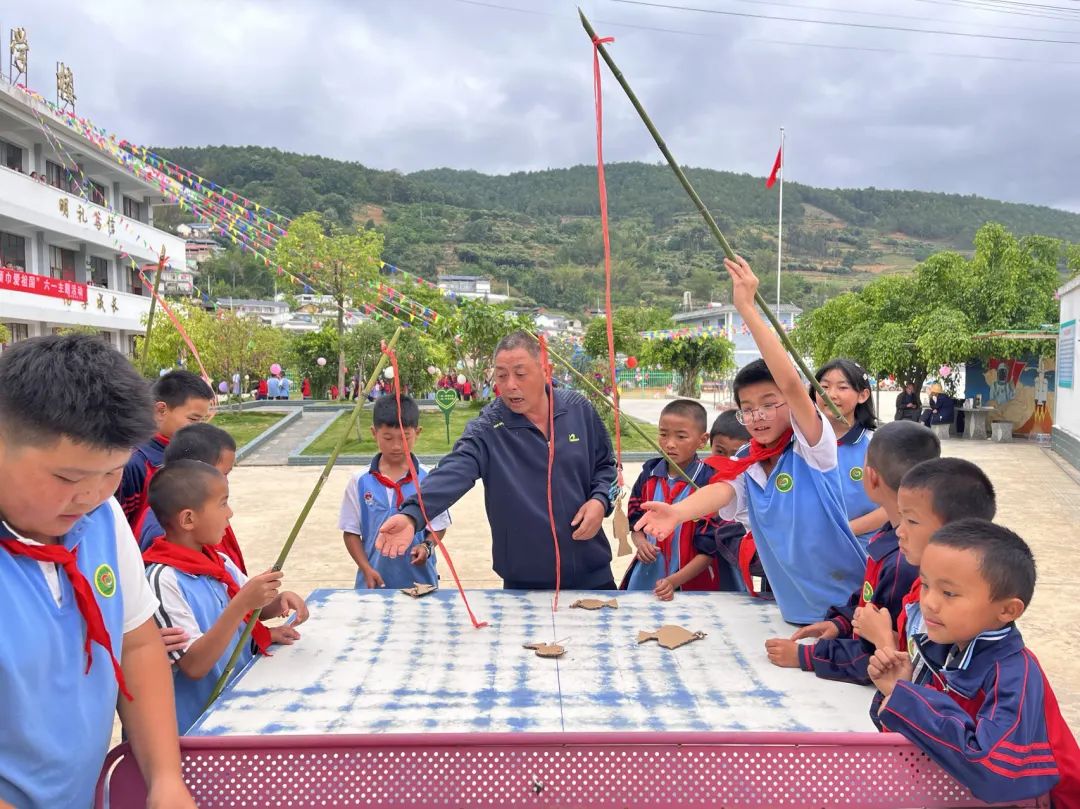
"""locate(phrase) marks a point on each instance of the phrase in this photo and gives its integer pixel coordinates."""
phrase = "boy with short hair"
(840, 653)
(180, 398)
(201, 590)
(979, 705)
(700, 555)
(785, 486)
(727, 435)
(199, 442)
(376, 494)
(79, 632)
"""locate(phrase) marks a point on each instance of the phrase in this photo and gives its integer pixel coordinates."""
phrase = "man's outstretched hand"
(396, 536)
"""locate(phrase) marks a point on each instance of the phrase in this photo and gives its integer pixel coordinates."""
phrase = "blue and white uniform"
(800, 525)
(194, 603)
(366, 506)
(58, 720)
(851, 458)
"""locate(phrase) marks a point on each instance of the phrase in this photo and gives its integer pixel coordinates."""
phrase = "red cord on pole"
(546, 364)
(389, 352)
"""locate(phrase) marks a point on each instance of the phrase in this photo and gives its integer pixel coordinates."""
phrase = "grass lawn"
(432, 440)
(245, 426)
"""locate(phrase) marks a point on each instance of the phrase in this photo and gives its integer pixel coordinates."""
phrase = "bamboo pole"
(708, 217)
(245, 637)
(150, 314)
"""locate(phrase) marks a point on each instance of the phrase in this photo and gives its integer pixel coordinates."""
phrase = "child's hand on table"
(372, 579)
(824, 630)
(659, 520)
(887, 667)
(291, 602)
(285, 635)
(664, 590)
(782, 652)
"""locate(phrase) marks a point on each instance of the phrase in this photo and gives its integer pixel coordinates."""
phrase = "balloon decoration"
(388, 372)
(945, 371)
(321, 361)
(163, 371)
(223, 386)
(631, 362)
(431, 369)
(275, 369)
(461, 379)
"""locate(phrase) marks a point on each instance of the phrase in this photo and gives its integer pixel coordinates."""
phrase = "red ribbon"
(389, 352)
(84, 599)
(546, 365)
(598, 97)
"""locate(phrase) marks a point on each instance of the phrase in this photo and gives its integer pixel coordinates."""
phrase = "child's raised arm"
(661, 519)
(803, 410)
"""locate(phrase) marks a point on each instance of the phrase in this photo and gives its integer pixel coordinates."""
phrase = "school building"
(68, 215)
(725, 316)
(1066, 431)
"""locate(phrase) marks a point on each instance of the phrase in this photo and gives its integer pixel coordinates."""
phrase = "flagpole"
(780, 228)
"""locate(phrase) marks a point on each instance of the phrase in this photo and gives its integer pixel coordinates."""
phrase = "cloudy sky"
(506, 85)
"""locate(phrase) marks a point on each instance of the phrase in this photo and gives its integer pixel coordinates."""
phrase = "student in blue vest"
(848, 385)
(378, 492)
(786, 486)
(679, 562)
(180, 398)
(200, 589)
(79, 641)
(840, 653)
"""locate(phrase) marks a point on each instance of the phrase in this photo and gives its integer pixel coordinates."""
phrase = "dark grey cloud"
(412, 84)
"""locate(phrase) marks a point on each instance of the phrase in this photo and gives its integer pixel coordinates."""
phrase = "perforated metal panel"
(612, 771)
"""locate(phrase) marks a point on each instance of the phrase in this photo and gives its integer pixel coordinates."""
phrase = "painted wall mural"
(1020, 390)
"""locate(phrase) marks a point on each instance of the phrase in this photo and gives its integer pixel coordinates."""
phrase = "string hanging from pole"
(546, 365)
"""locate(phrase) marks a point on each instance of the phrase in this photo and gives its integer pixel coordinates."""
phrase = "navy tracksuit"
(508, 452)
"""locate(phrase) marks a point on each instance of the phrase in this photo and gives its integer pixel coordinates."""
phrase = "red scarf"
(84, 598)
(730, 468)
(685, 532)
(396, 485)
(231, 548)
(205, 563)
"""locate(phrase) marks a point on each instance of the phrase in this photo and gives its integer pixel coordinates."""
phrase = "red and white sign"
(20, 281)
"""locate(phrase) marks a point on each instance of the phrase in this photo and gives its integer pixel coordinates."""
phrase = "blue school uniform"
(800, 525)
(145, 460)
(195, 603)
(57, 720)
(851, 458)
(147, 528)
(988, 717)
(888, 579)
(273, 387)
(645, 575)
(367, 504)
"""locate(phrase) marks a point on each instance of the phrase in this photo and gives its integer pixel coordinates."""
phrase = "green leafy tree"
(691, 358)
(627, 323)
(5, 335)
(341, 263)
(415, 353)
(306, 349)
(472, 330)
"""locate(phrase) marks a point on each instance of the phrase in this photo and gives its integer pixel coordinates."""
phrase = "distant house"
(556, 324)
(196, 251)
(272, 313)
(469, 286)
(725, 316)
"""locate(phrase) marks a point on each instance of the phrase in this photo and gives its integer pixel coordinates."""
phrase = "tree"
(5, 335)
(691, 357)
(340, 263)
(627, 323)
(473, 329)
(415, 353)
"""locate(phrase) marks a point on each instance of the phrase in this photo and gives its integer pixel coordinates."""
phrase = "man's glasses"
(763, 413)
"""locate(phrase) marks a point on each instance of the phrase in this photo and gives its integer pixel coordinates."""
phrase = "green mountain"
(539, 233)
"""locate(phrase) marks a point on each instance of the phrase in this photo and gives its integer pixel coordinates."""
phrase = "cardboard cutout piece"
(620, 526)
(595, 603)
(418, 590)
(670, 636)
(546, 649)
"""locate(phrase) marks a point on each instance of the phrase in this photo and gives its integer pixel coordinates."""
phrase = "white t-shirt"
(139, 601)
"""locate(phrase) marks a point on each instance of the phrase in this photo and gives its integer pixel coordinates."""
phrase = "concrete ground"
(1038, 496)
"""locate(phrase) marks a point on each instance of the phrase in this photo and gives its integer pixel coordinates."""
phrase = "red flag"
(769, 183)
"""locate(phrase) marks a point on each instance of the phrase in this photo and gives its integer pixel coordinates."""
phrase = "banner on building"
(19, 281)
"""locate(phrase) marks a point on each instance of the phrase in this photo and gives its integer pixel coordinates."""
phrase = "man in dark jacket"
(908, 404)
(506, 446)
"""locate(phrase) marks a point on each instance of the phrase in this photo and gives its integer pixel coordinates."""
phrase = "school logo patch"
(856, 473)
(867, 591)
(784, 483)
(105, 581)
(369, 498)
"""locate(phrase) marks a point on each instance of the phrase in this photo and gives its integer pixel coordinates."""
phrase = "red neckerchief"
(730, 468)
(84, 598)
(671, 494)
(396, 485)
(204, 563)
(231, 548)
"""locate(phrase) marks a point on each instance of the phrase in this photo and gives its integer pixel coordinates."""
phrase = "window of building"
(61, 263)
(97, 193)
(99, 271)
(135, 286)
(132, 346)
(133, 209)
(12, 250)
(56, 175)
(11, 155)
(18, 331)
